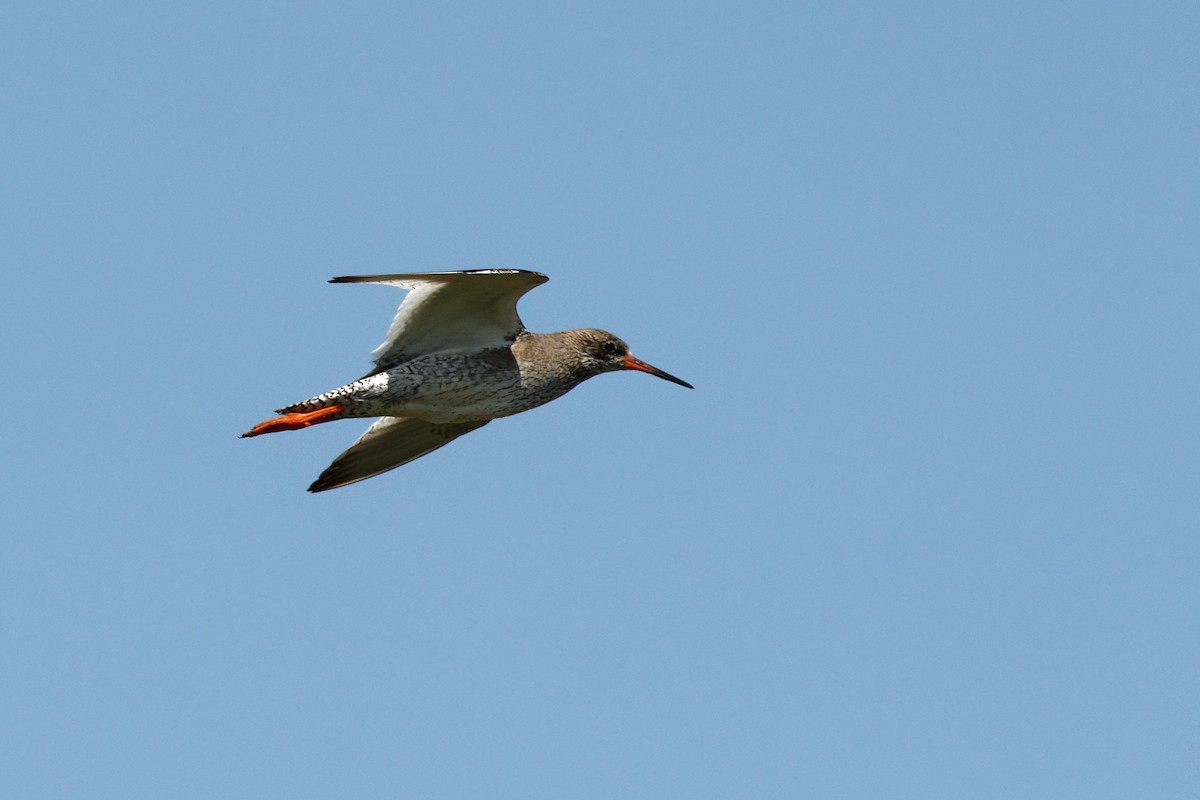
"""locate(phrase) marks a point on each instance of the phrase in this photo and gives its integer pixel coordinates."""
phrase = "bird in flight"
(456, 357)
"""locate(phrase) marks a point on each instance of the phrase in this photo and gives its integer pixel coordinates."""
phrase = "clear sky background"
(926, 528)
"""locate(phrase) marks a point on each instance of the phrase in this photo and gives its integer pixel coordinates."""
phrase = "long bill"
(641, 366)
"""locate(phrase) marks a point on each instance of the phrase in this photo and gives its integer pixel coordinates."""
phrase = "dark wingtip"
(323, 483)
(538, 276)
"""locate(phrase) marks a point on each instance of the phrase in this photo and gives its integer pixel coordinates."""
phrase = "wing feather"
(444, 311)
(389, 443)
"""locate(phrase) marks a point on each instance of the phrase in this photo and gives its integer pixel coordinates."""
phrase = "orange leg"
(295, 421)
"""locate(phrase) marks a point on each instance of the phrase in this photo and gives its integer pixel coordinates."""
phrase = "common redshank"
(456, 357)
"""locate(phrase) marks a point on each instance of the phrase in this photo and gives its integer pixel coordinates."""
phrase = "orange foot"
(295, 421)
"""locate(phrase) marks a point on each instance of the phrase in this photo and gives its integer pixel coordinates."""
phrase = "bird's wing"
(442, 311)
(389, 443)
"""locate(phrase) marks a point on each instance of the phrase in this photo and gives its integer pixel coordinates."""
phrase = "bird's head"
(600, 351)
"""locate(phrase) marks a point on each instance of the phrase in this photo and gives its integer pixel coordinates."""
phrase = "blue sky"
(926, 528)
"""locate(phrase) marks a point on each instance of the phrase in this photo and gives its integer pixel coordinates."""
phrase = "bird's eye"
(609, 346)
